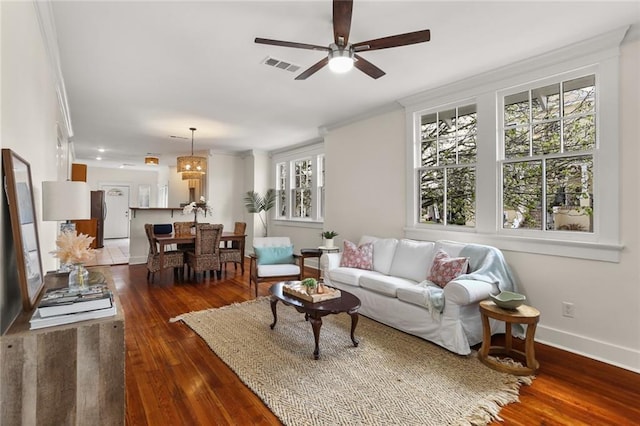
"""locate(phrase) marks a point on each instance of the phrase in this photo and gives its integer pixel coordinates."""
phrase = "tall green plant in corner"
(255, 203)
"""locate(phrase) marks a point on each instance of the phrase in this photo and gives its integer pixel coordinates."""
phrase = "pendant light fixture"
(151, 160)
(192, 166)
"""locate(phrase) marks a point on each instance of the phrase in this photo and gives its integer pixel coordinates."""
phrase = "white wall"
(29, 109)
(227, 189)
(606, 295)
(97, 176)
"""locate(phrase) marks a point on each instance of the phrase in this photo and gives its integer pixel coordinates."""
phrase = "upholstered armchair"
(206, 255)
(273, 260)
(234, 253)
(171, 259)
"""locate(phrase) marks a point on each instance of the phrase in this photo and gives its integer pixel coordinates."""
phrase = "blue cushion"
(165, 228)
(274, 255)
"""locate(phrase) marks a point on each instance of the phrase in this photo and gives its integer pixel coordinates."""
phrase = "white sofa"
(396, 291)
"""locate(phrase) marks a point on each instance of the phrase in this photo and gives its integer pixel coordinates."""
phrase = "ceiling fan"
(342, 55)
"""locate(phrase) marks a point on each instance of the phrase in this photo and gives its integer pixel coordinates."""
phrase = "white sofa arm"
(329, 261)
(464, 292)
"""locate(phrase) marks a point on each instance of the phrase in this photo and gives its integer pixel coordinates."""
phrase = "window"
(539, 140)
(299, 177)
(549, 137)
(447, 172)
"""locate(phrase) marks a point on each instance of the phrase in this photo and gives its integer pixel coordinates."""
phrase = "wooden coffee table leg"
(316, 323)
(354, 323)
(274, 302)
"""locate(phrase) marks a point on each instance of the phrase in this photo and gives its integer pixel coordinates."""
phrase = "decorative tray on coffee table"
(296, 289)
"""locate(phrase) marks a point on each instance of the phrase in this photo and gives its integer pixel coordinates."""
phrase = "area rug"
(391, 378)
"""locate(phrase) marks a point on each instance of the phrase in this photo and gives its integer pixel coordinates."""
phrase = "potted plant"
(310, 285)
(255, 203)
(328, 238)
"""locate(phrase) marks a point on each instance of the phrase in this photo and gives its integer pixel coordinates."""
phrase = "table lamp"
(66, 201)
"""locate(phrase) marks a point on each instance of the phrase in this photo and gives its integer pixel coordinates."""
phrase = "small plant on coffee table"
(329, 234)
(310, 285)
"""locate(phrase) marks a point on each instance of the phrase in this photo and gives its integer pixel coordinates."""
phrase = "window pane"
(580, 95)
(522, 195)
(447, 151)
(570, 193)
(516, 142)
(431, 196)
(580, 134)
(429, 127)
(545, 102)
(546, 138)
(429, 153)
(467, 130)
(447, 123)
(461, 196)
(282, 202)
(516, 109)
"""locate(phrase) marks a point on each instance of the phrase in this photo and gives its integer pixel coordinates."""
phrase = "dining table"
(164, 240)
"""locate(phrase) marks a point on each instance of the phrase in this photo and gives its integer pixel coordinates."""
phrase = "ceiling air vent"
(277, 63)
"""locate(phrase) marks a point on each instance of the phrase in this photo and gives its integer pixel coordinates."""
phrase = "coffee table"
(314, 312)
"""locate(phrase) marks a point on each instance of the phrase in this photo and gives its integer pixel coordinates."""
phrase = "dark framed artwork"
(22, 213)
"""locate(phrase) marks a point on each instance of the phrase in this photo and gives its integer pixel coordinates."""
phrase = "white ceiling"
(138, 72)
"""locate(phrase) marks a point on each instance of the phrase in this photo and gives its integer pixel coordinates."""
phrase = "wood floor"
(172, 378)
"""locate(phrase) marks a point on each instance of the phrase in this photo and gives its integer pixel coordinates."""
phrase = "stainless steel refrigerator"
(98, 212)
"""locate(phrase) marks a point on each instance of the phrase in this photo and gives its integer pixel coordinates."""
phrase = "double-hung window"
(299, 176)
(549, 138)
(447, 171)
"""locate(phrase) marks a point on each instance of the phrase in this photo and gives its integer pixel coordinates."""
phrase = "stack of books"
(64, 306)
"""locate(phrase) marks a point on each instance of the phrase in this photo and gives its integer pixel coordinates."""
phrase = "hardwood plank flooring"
(172, 378)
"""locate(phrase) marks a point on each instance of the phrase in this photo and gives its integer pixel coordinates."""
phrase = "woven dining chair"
(184, 228)
(206, 254)
(171, 259)
(233, 254)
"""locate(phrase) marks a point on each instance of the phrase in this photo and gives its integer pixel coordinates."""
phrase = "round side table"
(522, 315)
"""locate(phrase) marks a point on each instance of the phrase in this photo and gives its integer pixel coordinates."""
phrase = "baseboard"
(620, 356)
(137, 260)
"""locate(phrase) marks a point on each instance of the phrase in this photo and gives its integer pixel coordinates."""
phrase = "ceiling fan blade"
(291, 44)
(342, 21)
(313, 69)
(393, 41)
(367, 67)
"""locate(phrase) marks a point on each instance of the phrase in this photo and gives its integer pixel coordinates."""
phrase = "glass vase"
(78, 277)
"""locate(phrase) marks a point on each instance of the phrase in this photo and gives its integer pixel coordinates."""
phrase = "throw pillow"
(360, 257)
(445, 268)
(274, 255)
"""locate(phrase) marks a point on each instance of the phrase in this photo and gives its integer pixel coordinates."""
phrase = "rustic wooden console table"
(70, 374)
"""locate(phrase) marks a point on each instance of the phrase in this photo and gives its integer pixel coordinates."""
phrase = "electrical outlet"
(568, 310)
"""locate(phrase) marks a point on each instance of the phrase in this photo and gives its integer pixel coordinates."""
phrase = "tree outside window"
(549, 136)
(447, 174)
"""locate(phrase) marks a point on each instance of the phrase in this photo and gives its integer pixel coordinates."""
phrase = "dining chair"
(206, 254)
(184, 228)
(234, 252)
(273, 260)
(171, 259)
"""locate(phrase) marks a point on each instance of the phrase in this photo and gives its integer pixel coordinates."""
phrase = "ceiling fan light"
(340, 59)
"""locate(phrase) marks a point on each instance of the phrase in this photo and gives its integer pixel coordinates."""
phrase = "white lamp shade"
(66, 200)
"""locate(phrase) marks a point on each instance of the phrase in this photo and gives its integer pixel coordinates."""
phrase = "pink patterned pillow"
(357, 257)
(445, 268)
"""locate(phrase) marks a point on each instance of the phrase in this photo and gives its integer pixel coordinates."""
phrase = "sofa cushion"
(278, 270)
(445, 268)
(360, 257)
(274, 255)
(425, 295)
(412, 259)
(384, 284)
(383, 252)
(349, 276)
(452, 248)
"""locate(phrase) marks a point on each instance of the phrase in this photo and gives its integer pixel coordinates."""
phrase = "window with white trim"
(447, 172)
(548, 146)
(548, 140)
(299, 176)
